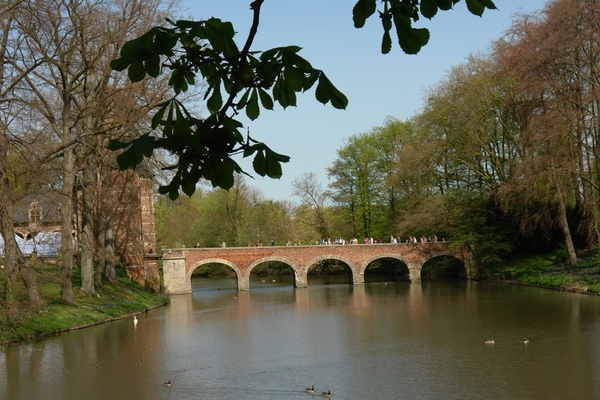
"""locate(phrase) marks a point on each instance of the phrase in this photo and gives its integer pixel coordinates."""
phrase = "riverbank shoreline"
(78, 327)
(547, 271)
(575, 289)
(119, 299)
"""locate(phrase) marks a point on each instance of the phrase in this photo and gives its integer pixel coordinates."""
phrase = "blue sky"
(376, 85)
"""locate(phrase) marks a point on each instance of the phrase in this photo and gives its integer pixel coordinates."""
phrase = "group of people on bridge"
(342, 241)
(370, 240)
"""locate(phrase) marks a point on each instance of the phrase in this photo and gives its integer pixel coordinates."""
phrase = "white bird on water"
(135, 320)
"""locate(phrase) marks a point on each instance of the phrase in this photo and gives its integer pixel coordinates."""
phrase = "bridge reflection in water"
(179, 264)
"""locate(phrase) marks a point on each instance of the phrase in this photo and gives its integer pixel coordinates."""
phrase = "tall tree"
(313, 196)
(363, 178)
(554, 57)
(12, 74)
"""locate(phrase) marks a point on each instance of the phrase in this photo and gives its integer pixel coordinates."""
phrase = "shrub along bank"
(549, 271)
(114, 300)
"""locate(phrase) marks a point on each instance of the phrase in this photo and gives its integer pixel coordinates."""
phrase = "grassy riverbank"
(549, 271)
(113, 301)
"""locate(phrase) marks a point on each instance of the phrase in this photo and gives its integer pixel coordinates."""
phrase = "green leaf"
(118, 145)
(136, 71)
(153, 65)
(428, 8)
(411, 39)
(188, 186)
(158, 117)
(295, 78)
(120, 64)
(259, 163)
(265, 99)
(252, 108)
(244, 100)
(277, 156)
(362, 10)
(273, 169)
(475, 7)
(327, 92)
(312, 78)
(283, 94)
(220, 35)
(386, 43)
(489, 4)
(174, 192)
(134, 155)
(446, 4)
(215, 101)
(224, 173)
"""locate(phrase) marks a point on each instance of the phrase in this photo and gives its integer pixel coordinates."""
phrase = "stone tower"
(134, 225)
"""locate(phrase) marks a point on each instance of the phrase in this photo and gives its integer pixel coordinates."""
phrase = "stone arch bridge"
(178, 264)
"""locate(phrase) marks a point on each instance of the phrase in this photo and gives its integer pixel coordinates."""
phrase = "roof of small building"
(50, 208)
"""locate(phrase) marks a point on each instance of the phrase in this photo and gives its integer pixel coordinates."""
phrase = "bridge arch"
(313, 262)
(238, 272)
(368, 261)
(464, 270)
(297, 274)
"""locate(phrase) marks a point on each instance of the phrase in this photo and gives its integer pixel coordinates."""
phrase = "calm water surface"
(385, 341)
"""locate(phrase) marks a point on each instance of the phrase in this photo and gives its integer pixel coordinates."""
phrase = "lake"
(385, 340)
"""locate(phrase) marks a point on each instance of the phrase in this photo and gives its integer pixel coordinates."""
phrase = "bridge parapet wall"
(179, 264)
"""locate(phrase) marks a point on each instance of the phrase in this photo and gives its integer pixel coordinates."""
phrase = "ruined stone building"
(38, 225)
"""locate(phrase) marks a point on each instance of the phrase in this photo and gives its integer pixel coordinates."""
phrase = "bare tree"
(312, 195)
(10, 78)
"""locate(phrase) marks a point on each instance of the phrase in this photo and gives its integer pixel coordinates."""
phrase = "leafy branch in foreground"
(400, 14)
(251, 80)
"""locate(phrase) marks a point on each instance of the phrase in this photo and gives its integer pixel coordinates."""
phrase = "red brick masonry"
(178, 264)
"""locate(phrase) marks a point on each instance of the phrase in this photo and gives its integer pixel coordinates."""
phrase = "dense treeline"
(503, 155)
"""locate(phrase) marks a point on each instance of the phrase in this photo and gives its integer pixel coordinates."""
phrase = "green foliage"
(363, 186)
(401, 14)
(475, 220)
(214, 270)
(238, 217)
(548, 270)
(115, 300)
(237, 80)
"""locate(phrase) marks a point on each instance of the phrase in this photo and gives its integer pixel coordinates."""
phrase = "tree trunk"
(564, 222)
(107, 233)
(101, 263)
(66, 209)
(14, 262)
(109, 248)
(87, 233)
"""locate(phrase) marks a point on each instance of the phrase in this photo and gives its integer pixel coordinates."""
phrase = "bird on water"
(489, 341)
(311, 389)
(525, 340)
(327, 394)
(168, 383)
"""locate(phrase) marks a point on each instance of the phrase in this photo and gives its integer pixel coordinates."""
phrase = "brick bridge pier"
(178, 264)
